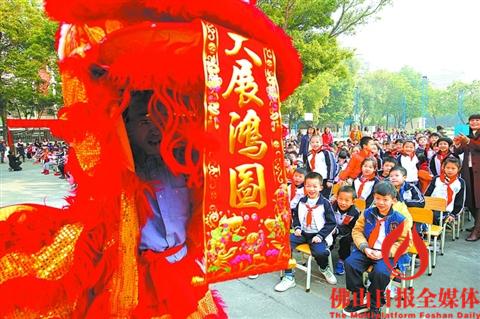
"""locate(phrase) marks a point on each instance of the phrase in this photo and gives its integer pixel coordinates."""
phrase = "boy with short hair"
(407, 193)
(388, 164)
(314, 223)
(346, 215)
(369, 232)
(296, 189)
(322, 160)
(354, 167)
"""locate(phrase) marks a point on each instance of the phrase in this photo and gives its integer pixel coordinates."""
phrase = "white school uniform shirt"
(381, 236)
(299, 193)
(410, 164)
(367, 188)
(339, 217)
(318, 218)
(440, 190)
(320, 164)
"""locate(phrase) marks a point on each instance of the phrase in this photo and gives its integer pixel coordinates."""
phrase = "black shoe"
(375, 313)
(470, 229)
(351, 309)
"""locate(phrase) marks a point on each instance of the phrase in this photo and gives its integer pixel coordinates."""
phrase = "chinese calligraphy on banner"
(246, 211)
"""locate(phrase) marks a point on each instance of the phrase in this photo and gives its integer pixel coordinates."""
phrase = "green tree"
(314, 26)
(26, 47)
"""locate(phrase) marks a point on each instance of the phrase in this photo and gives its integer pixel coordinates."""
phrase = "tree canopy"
(27, 60)
(328, 72)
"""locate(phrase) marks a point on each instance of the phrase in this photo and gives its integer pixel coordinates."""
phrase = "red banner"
(22, 123)
(246, 210)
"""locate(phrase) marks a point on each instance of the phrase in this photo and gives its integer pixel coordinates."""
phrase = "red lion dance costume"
(206, 73)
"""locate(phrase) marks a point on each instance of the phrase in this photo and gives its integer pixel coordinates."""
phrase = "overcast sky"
(438, 38)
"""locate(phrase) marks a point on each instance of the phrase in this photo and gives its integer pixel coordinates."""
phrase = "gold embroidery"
(124, 297)
(88, 153)
(247, 133)
(58, 311)
(51, 262)
(247, 186)
(206, 306)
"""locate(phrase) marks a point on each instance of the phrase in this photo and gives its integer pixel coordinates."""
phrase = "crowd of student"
(51, 155)
(385, 171)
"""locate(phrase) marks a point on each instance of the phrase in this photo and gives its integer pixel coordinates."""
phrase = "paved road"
(458, 269)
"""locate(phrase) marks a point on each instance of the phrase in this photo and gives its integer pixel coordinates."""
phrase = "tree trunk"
(3, 110)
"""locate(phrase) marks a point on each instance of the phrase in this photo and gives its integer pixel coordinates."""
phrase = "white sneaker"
(285, 284)
(253, 277)
(329, 276)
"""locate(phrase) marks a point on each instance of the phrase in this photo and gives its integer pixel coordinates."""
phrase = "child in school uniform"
(451, 186)
(322, 160)
(314, 223)
(409, 160)
(346, 215)
(432, 141)
(365, 183)
(435, 164)
(296, 189)
(388, 164)
(369, 232)
(407, 193)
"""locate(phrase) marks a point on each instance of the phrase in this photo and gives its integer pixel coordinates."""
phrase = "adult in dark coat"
(470, 147)
(304, 144)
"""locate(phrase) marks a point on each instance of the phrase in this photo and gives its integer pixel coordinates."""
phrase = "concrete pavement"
(458, 269)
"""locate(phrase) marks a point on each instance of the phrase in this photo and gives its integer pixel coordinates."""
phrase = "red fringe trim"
(234, 14)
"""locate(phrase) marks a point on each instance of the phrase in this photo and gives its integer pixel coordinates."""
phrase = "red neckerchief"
(363, 180)
(293, 190)
(443, 156)
(448, 181)
(310, 213)
(314, 154)
(372, 239)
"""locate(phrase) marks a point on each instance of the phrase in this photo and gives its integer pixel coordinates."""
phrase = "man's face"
(140, 129)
